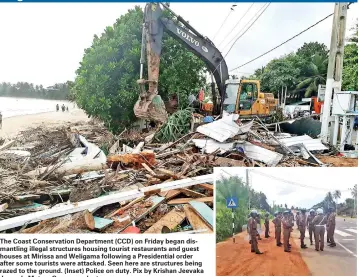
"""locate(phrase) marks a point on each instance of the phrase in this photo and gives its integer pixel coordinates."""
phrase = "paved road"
(339, 260)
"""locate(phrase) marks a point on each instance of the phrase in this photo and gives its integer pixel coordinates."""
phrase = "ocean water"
(11, 106)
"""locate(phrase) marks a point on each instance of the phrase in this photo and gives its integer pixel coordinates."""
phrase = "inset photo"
(286, 221)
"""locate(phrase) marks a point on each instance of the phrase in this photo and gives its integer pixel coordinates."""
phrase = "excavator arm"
(150, 105)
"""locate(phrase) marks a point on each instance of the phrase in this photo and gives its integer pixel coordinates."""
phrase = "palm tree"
(336, 195)
(314, 75)
(354, 194)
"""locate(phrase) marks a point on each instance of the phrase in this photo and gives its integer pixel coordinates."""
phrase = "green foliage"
(312, 48)
(302, 72)
(105, 86)
(177, 125)
(350, 67)
(58, 91)
(235, 187)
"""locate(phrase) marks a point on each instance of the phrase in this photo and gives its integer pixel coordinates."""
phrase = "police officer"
(291, 222)
(297, 219)
(259, 229)
(286, 230)
(319, 223)
(331, 227)
(310, 225)
(277, 221)
(266, 225)
(302, 226)
(249, 234)
(252, 227)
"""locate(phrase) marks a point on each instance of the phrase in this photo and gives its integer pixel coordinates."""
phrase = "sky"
(325, 179)
(43, 43)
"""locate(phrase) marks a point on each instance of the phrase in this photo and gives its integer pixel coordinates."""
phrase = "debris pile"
(59, 180)
(251, 143)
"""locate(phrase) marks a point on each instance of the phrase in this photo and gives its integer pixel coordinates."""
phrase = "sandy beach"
(13, 125)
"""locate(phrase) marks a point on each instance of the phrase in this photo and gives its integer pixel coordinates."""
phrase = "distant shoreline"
(35, 98)
(11, 126)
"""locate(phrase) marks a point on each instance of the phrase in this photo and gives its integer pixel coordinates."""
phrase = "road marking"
(343, 234)
(351, 230)
(346, 249)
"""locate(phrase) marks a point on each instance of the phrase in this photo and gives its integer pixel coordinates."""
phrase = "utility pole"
(335, 66)
(249, 196)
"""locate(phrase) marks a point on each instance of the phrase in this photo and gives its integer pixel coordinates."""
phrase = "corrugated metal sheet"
(224, 128)
(310, 143)
(210, 145)
(261, 154)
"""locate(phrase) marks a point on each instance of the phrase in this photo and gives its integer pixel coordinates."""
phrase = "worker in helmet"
(302, 226)
(286, 230)
(266, 225)
(277, 221)
(310, 225)
(319, 223)
(252, 225)
(331, 227)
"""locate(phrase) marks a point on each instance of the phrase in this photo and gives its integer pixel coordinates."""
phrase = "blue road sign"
(232, 202)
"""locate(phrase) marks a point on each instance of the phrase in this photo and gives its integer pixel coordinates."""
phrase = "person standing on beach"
(57, 107)
(0, 120)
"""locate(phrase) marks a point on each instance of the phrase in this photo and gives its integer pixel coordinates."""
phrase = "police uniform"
(310, 226)
(278, 228)
(302, 221)
(252, 228)
(286, 231)
(319, 223)
(331, 228)
(266, 226)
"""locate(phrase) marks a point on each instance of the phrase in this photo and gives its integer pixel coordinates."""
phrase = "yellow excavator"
(235, 96)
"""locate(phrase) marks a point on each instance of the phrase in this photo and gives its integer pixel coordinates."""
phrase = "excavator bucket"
(150, 106)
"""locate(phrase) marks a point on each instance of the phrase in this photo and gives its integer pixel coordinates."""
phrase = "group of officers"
(316, 223)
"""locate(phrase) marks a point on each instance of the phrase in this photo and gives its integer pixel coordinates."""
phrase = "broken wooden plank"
(170, 220)
(203, 211)
(3, 207)
(145, 166)
(187, 200)
(122, 209)
(205, 186)
(69, 208)
(196, 222)
(26, 197)
(225, 162)
(192, 193)
(170, 194)
(156, 201)
(102, 223)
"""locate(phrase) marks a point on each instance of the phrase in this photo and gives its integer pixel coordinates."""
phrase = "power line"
(239, 21)
(241, 36)
(247, 29)
(284, 42)
(291, 182)
(238, 33)
(224, 21)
